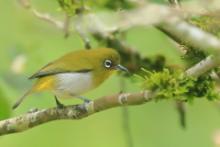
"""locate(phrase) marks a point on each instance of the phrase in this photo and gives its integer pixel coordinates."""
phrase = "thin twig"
(175, 3)
(180, 106)
(66, 25)
(125, 118)
(81, 30)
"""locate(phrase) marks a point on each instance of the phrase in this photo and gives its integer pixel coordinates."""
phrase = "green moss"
(193, 56)
(177, 86)
(119, 4)
(71, 6)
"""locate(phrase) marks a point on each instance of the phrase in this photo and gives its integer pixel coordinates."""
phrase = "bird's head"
(108, 60)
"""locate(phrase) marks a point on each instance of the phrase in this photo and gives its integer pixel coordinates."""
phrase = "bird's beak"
(122, 68)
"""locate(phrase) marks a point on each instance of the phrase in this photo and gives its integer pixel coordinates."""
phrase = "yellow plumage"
(45, 83)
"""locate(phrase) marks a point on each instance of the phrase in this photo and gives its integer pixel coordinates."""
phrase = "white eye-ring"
(108, 63)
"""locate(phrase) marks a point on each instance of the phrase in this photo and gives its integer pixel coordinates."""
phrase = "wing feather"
(72, 62)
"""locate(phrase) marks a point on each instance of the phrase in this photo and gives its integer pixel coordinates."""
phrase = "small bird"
(75, 73)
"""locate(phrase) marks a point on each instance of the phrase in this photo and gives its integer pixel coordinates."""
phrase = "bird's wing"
(66, 64)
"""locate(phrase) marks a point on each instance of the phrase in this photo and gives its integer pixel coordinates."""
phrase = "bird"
(75, 73)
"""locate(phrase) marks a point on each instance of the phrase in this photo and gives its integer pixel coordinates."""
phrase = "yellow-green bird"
(75, 73)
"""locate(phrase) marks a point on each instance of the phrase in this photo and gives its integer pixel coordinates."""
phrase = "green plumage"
(78, 61)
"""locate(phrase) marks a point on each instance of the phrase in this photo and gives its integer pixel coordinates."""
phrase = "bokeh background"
(27, 43)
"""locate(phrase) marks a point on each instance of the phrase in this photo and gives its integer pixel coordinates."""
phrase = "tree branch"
(190, 35)
(48, 18)
(32, 119)
(203, 66)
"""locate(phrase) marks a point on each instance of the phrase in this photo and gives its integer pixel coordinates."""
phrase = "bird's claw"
(59, 104)
(84, 106)
(87, 101)
(32, 110)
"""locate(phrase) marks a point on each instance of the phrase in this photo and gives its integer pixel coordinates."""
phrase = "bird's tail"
(41, 85)
(18, 102)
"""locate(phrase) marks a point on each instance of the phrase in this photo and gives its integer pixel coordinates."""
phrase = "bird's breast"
(70, 84)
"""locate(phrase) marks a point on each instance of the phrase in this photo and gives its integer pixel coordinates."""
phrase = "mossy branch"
(174, 85)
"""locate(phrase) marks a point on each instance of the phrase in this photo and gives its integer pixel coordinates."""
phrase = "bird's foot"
(59, 104)
(85, 100)
(32, 110)
(84, 106)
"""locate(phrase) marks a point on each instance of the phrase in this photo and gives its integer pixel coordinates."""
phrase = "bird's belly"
(70, 84)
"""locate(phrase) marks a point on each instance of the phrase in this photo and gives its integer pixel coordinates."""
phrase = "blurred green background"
(27, 43)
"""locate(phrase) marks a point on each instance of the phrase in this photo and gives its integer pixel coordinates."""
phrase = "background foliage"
(34, 43)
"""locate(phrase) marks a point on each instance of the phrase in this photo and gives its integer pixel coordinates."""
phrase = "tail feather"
(42, 84)
(18, 102)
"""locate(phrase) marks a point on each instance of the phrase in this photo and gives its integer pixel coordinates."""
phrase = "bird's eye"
(108, 63)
